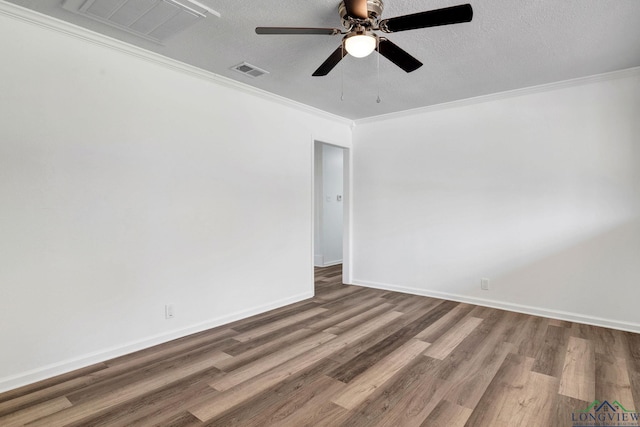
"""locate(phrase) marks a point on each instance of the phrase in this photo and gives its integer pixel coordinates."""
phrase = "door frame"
(346, 209)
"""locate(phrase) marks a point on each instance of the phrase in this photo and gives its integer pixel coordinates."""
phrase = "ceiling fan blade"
(398, 56)
(330, 62)
(356, 8)
(298, 30)
(431, 18)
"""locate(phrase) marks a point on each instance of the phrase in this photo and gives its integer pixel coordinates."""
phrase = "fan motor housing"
(374, 8)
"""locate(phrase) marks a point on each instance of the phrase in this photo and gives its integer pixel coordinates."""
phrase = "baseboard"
(502, 305)
(318, 261)
(49, 371)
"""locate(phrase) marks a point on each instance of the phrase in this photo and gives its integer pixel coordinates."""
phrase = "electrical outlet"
(168, 311)
(484, 284)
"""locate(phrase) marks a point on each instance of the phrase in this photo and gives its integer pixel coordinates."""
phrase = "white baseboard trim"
(52, 370)
(502, 305)
(318, 261)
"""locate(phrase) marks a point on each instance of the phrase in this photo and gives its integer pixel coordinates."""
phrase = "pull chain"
(378, 100)
(342, 74)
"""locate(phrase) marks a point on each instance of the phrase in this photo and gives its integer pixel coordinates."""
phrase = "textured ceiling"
(510, 44)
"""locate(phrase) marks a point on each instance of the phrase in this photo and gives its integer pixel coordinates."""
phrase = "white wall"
(127, 184)
(540, 193)
(333, 203)
(330, 200)
(318, 257)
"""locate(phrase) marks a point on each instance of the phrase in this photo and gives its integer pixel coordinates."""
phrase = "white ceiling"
(510, 44)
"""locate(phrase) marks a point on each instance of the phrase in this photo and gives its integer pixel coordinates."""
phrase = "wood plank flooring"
(352, 356)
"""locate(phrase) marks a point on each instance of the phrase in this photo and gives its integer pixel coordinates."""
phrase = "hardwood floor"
(353, 356)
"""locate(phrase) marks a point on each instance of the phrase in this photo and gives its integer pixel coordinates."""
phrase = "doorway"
(330, 249)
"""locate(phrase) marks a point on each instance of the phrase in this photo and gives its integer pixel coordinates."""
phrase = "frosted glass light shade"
(360, 45)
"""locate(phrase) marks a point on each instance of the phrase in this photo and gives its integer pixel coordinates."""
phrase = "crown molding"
(547, 87)
(50, 23)
(44, 21)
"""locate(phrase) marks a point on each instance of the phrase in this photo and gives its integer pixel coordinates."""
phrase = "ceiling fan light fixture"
(360, 44)
(361, 19)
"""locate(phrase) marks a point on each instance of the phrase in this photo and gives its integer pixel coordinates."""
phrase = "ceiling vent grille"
(155, 20)
(249, 70)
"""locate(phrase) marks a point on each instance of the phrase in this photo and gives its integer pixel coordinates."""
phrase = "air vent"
(249, 70)
(155, 20)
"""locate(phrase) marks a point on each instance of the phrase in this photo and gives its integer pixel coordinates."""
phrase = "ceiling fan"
(361, 18)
